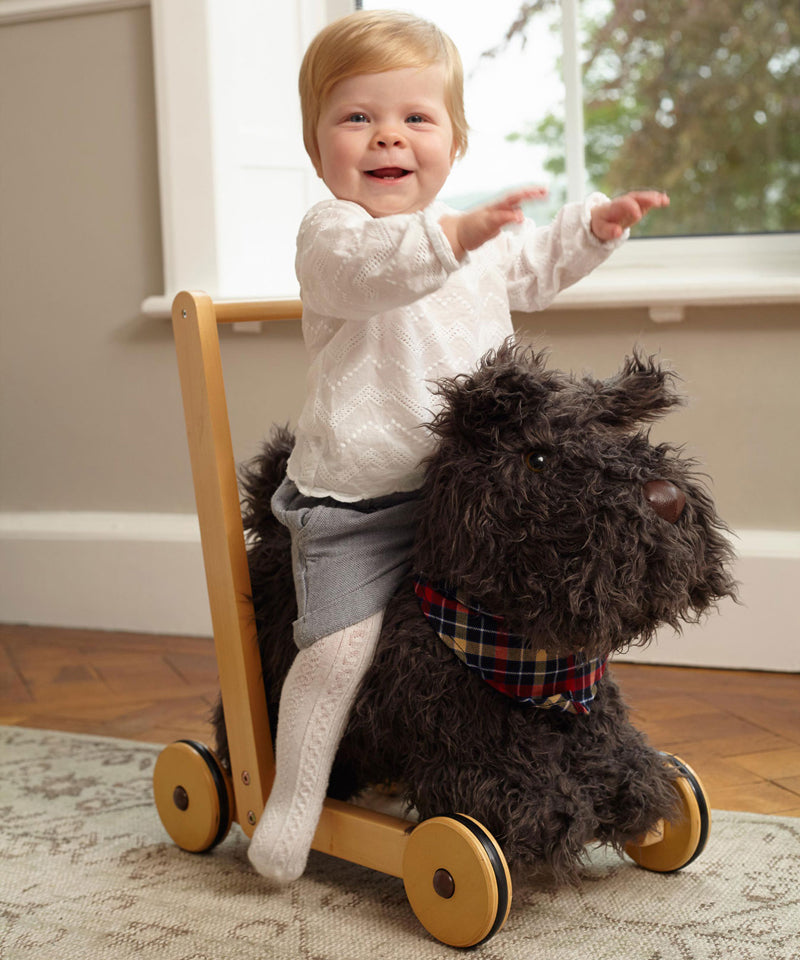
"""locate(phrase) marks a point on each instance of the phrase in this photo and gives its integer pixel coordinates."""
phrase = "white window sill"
(666, 276)
(666, 292)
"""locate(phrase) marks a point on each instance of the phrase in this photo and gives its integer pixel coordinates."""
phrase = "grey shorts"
(347, 558)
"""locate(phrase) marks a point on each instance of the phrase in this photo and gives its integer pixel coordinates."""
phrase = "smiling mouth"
(388, 173)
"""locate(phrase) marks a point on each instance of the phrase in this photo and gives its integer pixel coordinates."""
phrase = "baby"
(398, 291)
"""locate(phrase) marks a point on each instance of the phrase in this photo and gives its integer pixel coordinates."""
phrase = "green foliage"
(700, 98)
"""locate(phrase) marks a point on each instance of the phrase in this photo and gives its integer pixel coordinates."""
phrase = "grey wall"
(90, 417)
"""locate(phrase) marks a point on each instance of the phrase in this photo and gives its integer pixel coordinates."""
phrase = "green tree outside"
(700, 98)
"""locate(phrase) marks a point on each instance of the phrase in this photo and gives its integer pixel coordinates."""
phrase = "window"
(235, 179)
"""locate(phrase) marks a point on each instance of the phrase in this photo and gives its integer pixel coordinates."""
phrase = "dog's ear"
(641, 391)
(508, 387)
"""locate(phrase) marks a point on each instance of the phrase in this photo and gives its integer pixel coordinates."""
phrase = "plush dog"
(552, 533)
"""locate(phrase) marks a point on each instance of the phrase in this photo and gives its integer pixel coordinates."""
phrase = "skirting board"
(762, 631)
(104, 571)
(144, 573)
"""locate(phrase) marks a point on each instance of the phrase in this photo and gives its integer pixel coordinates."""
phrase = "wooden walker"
(454, 872)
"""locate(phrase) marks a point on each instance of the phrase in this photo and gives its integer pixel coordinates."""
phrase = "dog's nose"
(665, 498)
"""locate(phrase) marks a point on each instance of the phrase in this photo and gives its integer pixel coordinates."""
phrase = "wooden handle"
(240, 311)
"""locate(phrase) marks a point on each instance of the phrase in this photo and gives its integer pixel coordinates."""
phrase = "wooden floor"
(739, 730)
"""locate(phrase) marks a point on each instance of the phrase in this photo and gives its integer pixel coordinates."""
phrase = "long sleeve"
(543, 261)
(350, 264)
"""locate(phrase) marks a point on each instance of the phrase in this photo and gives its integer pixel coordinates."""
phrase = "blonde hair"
(373, 41)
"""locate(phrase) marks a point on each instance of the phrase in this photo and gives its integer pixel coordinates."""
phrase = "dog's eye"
(536, 460)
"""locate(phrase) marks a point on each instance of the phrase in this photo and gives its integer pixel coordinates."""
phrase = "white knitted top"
(388, 310)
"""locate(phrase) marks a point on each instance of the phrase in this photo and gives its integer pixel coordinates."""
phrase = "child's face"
(386, 140)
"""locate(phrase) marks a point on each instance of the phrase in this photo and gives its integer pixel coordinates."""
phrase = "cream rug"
(87, 873)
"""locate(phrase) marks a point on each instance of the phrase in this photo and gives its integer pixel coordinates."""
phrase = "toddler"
(398, 291)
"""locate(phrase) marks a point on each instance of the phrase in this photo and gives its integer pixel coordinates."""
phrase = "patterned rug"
(87, 873)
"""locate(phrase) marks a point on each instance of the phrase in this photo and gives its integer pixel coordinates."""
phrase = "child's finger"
(649, 198)
(520, 196)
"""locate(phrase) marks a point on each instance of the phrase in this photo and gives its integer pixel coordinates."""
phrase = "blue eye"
(415, 118)
(357, 118)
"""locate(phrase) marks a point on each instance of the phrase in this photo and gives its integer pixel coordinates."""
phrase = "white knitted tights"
(315, 703)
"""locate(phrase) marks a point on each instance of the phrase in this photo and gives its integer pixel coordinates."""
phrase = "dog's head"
(545, 502)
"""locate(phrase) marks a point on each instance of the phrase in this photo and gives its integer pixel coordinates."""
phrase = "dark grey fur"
(572, 555)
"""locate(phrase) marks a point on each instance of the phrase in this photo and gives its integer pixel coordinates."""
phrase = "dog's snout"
(665, 498)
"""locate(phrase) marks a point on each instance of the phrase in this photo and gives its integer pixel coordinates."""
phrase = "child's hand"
(610, 220)
(470, 230)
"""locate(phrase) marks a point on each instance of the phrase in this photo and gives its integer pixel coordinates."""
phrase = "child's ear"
(312, 149)
(456, 150)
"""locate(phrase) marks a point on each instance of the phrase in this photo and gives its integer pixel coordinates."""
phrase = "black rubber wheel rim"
(489, 845)
(219, 785)
(702, 809)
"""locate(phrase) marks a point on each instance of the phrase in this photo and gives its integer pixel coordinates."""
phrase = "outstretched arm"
(610, 220)
(470, 230)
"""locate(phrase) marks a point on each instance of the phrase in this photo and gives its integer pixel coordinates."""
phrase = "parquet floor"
(739, 730)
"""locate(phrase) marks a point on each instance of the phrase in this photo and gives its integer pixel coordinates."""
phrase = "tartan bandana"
(501, 658)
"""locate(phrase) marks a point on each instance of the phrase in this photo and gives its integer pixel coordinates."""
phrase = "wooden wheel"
(193, 795)
(456, 880)
(683, 840)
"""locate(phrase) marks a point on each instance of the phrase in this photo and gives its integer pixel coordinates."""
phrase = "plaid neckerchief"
(502, 659)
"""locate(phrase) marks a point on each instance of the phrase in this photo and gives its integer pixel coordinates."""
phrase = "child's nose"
(388, 137)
